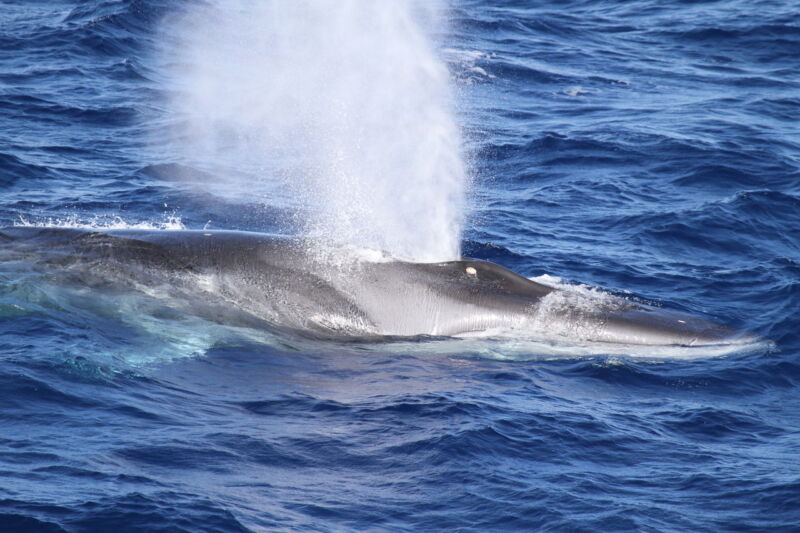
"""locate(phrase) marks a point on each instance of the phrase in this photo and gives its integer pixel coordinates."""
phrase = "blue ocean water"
(651, 148)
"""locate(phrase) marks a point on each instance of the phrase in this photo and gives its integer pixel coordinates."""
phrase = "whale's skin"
(298, 285)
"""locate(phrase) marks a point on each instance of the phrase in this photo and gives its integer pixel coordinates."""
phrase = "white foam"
(105, 222)
(463, 64)
(576, 91)
(516, 346)
(579, 297)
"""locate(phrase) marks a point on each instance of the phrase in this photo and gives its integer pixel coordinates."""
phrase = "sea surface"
(651, 148)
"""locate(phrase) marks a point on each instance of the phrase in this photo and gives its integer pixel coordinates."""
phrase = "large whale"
(298, 285)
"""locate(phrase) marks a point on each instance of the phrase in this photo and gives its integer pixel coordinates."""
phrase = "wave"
(101, 222)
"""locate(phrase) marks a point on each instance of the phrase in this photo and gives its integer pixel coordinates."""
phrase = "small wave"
(104, 222)
(531, 350)
(467, 66)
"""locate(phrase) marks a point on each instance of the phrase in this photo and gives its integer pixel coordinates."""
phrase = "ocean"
(649, 148)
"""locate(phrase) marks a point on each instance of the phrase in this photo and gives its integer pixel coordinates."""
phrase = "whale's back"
(295, 284)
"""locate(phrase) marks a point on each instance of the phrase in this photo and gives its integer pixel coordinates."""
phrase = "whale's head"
(468, 295)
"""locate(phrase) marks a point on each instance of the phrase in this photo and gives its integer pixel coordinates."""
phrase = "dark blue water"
(650, 147)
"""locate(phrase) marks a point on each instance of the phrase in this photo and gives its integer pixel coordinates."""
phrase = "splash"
(343, 108)
(101, 222)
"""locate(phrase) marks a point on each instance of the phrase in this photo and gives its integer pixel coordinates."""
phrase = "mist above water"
(340, 108)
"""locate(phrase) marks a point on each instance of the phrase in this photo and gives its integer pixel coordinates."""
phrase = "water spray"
(344, 108)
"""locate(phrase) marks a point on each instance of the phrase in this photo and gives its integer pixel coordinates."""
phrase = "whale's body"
(289, 283)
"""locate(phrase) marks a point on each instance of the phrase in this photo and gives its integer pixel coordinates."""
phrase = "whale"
(335, 292)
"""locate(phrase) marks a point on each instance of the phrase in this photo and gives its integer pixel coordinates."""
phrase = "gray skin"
(296, 285)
